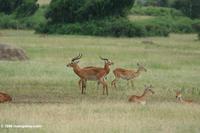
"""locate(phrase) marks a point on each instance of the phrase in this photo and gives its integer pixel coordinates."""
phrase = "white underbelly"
(143, 102)
(125, 77)
(91, 78)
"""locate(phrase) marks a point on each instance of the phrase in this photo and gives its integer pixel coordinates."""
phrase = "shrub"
(120, 26)
(173, 24)
(30, 22)
(8, 22)
(155, 11)
(62, 11)
(117, 27)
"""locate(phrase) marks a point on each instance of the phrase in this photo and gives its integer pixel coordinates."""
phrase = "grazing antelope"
(141, 99)
(5, 97)
(180, 99)
(90, 73)
(128, 75)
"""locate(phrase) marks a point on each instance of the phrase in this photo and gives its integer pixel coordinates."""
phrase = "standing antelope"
(128, 75)
(5, 97)
(141, 99)
(180, 99)
(91, 73)
(107, 70)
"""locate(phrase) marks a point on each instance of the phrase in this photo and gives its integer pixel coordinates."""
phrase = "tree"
(21, 8)
(26, 8)
(163, 3)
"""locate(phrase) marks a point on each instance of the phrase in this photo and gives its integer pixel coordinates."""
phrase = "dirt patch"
(8, 52)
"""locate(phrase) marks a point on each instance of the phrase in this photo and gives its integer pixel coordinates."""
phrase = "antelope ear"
(150, 86)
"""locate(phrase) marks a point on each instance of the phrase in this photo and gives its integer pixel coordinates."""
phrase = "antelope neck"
(106, 67)
(144, 94)
(76, 68)
(137, 72)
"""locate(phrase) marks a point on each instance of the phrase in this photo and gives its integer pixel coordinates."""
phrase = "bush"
(70, 11)
(8, 22)
(173, 24)
(155, 11)
(30, 22)
(158, 26)
(116, 27)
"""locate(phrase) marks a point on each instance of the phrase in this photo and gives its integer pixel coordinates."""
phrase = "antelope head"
(74, 61)
(149, 89)
(107, 61)
(178, 95)
(141, 67)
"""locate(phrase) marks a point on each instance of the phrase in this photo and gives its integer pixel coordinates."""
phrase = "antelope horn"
(77, 57)
(103, 58)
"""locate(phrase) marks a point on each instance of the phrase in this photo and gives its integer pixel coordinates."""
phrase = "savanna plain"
(45, 92)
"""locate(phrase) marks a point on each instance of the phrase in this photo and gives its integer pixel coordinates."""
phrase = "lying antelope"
(128, 75)
(91, 73)
(180, 99)
(141, 99)
(5, 97)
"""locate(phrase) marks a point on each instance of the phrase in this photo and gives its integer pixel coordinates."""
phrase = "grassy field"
(46, 92)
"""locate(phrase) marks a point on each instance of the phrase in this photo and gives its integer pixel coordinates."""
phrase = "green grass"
(46, 92)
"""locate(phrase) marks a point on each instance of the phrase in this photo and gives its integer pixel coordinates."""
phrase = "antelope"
(128, 75)
(107, 71)
(5, 97)
(180, 99)
(90, 73)
(141, 99)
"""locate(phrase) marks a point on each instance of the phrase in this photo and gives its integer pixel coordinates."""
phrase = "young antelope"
(142, 98)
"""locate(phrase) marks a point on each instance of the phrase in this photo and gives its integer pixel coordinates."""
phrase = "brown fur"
(5, 97)
(125, 74)
(180, 99)
(142, 98)
(91, 73)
